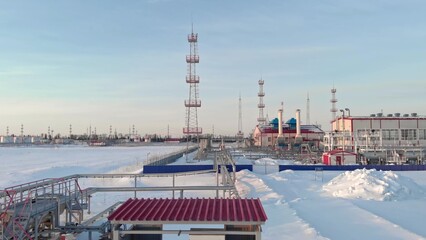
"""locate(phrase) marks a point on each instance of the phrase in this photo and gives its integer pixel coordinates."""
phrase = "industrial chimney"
(298, 136)
(280, 123)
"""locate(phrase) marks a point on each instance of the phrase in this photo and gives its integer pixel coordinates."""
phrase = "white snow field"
(362, 204)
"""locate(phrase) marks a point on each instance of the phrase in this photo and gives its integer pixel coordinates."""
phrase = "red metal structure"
(261, 119)
(240, 218)
(193, 102)
(198, 210)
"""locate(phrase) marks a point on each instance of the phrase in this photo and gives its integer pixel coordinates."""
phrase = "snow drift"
(266, 161)
(373, 185)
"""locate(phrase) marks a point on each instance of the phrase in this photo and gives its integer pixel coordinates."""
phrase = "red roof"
(218, 210)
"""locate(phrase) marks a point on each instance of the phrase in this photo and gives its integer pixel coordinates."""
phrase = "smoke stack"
(298, 124)
(280, 123)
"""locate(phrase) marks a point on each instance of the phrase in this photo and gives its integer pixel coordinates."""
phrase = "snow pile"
(373, 185)
(266, 161)
(243, 160)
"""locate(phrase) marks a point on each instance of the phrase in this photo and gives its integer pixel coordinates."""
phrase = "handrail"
(53, 188)
(149, 189)
(94, 175)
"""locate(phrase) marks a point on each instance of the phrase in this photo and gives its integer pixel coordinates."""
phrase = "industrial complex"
(378, 138)
(52, 207)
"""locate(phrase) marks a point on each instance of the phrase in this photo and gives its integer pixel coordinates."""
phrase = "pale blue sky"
(121, 63)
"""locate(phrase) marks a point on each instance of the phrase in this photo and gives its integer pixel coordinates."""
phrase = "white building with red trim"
(380, 137)
(266, 136)
(339, 157)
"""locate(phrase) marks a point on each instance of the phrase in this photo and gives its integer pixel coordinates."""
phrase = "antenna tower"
(261, 119)
(193, 102)
(70, 130)
(308, 111)
(240, 134)
(168, 131)
(333, 101)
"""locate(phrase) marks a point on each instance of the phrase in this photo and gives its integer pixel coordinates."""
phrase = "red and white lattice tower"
(240, 134)
(193, 102)
(333, 101)
(261, 119)
(308, 111)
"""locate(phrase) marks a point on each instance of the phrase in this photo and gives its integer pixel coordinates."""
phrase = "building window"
(408, 134)
(362, 133)
(422, 134)
(390, 134)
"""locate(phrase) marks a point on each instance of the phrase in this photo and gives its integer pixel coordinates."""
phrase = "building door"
(338, 160)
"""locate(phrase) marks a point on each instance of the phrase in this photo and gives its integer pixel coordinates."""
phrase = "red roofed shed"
(241, 218)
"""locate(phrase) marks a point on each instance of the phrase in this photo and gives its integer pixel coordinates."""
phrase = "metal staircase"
(24, 207)
(33, 210)
(223, 161)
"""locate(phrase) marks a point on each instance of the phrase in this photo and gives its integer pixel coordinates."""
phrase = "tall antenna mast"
(193, 102)
(261, 119)
(240, 134)
(240, 116)
(308, 111)
(333, 101)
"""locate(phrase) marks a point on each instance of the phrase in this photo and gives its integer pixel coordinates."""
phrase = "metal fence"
(353, 167)
(189, 168)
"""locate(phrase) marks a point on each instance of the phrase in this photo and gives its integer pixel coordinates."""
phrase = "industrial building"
(21, 140)
(378, 138)
(289, 134)
(339, 157)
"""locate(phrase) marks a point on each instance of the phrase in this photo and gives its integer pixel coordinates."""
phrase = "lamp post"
(349, 111)
(343, 135)
(351, 142)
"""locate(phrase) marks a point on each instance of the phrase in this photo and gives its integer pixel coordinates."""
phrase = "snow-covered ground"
(301, 205)
(24, 164)
(362, 204)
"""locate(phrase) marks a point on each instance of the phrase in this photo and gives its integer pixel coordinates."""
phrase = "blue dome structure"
(291, 123)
